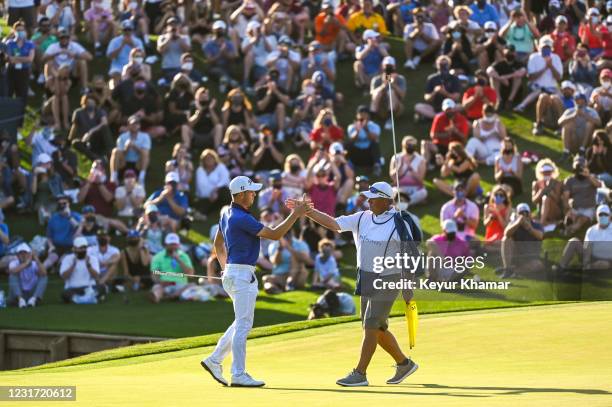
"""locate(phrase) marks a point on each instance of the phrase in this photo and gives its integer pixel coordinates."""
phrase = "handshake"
(301, 206)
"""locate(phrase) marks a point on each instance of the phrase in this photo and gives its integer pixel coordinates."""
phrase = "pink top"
(470, 210)
(456, 248)
(324, 199)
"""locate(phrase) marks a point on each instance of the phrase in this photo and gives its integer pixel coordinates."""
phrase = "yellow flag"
(412, 320)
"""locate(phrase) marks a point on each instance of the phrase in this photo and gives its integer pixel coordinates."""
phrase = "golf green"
(534, 356)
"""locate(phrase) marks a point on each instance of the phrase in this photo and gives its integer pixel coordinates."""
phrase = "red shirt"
(441, 122)
(94, 198)
(335, 134)
(607, 42)
(475, 110)
(592, 40)
(564, 44)
(324, 198)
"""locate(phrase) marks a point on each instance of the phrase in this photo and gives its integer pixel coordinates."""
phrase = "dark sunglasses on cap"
(375, 190)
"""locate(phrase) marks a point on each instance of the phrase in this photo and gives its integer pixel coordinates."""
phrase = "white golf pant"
(240, 283)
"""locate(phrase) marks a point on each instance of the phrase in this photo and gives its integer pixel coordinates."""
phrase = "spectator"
(599, 157)
(136, 66)
(421, 39)
(582, 70)
(4, 236)
(238, 111)
(366, 19)
(135, 259)
(401, 12)
(289, 257)
(521, 245)
(211, 183)
(80, 272)
(61, 15)
(440, 13)
(119, 49)
(170, 260)
(506, 78)
(64, 160)
(464, 212)
(458, 47)
(337, 154)
(42, 39)
(178, 102)
(462, 167)
(274, 196)
(547, 192)
(286, 61)
(234, 151)
(108, 258)
(477, 96)
(440, 86)
(462, 23)
(22, 12)
(46, 187)
(358, 201)
(590, 32)
(521, 33)
(27, 278)
(447, 126)
(62, 226)
(379, 92)
(490, 46)
(564, 43)
(171, 46)
(272, 103)
(20, 53)
(482, 13)
(97, 190)
(323, 191)
(99, 25)
(67, 54)
(294, 176)
(363, 142)
(601, 98)
(568, 90)
(369, 57)
(326, 274)
(325, 131)
(171, 202)
(318, 60)
(409, 167)
(497, 215)
(152, 228)
(132, 151)
(577, 126)
(255, 47)
(487, 135)
(130, 196)
(266, 152)
(246, 12)
(330, 30)
(448, 244)
(580, 190)
(90, 133)
(203, 129)
(142, 100)
(219, 51)
(509, 167)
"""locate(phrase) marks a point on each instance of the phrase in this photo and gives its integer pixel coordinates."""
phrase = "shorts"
(375, 309)
(267, 119)
(586, 212)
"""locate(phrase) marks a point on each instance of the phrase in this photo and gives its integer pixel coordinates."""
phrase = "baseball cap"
(449, 226)
(580, 96)
(132, 233)
(172, 20)
(388, 60)
(44, 158)
(336, 148)
(314, 45)
(318, 77)
(171, 177)
(172, 238)
(241, 183)
(127, 25)
(606, 73)
(560, 19)
(62, 32)
(151, 208)
(326, 4)
(593, 11)
(88, 209)
(545, 41)
(522, 207)
(568, 85)
(368, 34)
(547, 168)
(609, 18)
(490, 25)
(219, 25)
(379, 190)
(603, 209)
(448, 104)
(253, 25)
(23, 247)
(363, 109)
(80, 242)
(275, 175)
(285, 40)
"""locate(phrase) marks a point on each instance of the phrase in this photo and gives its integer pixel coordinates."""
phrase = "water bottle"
(2, 300)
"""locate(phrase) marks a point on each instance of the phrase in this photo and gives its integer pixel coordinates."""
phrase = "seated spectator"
(547, 192)
(323, 191)
(580, 191)
(90, 133)
(521, 245)
(80, 272)
(333, 304)
(497, 215)
(487, 135)
(440, 86)
(246, 12)
(46, 186)
(326, 274)
(308, 105)
(462, 167)
(152, 228)
(318, 60)
(62, 226)
(129, 196)
(358, 201)
(136, 66)
(482, 13)
(67, 53)
(99, 25)
(287, 63)
(379, 92)
(421, 39)
(170, 260)
(135, 259)
(369, 57)
(324, 90)
(409, 167)
(274, 196)
(489, 48)
(139, 98)
(237, 110)
(97, 190)
(582, 70)
(330, 30)
(64, 160)
(577, 126)
(325, 131)
(289, 257)
(294, 176)
(464, 212)
(272, 103)
(463, 23)
(447, 244)
(234, 151)
(119, 49)
(266, 152)
(27, 278)
(521, 33)
(568, 91)
(476, 97)
(363, 142)
(108, 258)
(509, 167)
(457, 46)
(255, 46)
(366, 19)
(590, 32)
(178, 102)
(211, 183)
(564, 43)
(599, 157)
(447, 127)
(506, 78)
(132, 151)
(401, 13)
(290, 17)
(440, 13)
(4, 237)
(203, 129)
(170, 201)
(595, 253)
(171, 45)
(337, 154)
(604, 58)
(601, 97)
(180, 163)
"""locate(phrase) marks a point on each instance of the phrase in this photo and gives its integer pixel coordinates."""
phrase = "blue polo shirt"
(240, 228)
(59, 229)
(180, 198)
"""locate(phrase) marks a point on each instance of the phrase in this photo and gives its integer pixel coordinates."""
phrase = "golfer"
(237, 247)
(374, 232)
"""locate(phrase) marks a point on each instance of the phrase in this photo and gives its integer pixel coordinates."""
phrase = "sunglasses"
(375, 190)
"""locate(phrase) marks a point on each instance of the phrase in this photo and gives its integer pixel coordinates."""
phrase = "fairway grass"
(531, 356)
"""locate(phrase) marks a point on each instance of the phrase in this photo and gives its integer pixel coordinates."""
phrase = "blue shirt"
(212, 49)
(372, 61)
(164, 207)
(5, 229)
(239, 229)
(362, 141)
(568, 102)
(406, 11)
(489, 13)
(123, 57)
(284, 266)
(13, 49)
(60, 230)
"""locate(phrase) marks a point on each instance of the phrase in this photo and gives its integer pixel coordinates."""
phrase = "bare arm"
(220, 252)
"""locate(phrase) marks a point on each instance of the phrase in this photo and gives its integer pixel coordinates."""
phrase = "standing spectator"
(132, 151)
(487, 135)
(464, 212)
(135, 260)
(363, 141)
(130, 196)
(80, 272)
(447, 126)
(379, 92)
(20, 52)
(24, 12)
(170, 260)
(440, 86)
(410, 168)
(171, 45)
(27, 278)
(577, 126)
(62, 226)
(421, 39)
(509, 167)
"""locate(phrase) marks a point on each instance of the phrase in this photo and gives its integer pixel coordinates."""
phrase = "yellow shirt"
(359, 21)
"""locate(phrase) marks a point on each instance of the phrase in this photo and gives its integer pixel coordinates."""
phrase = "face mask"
(546, 52)
(133, 242)
(547, 177)
(499, 199)
(187, 66)
(309, 90)
(489, 35)
(237, 100)
(327, 122)
(456, 35)
(444, 67)
(327, 251)
(81, 255)
(460, 195)
(139, 60)
(606, 84)
(481, 82)
(102, 241)
(489, 119)
(91, 107)
(294, 169)
(410, 148)
(451, 236)
(604, 220)
(594, 19)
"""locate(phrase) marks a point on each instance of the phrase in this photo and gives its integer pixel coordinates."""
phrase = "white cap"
(448, 104)
(545, 41)
(547, 168)
(253, 25)
(379, 190)
(80, 242)
(593, 11)
(568, 84)
(43, 158)
(23, 247)
(449, 226)
(561, 19)
(151, 208)
(172, 177)
(522, 207)
(603, 208)
(172, 238)
(219, 24)
(369, 33)
(490, 25)
(388, 60)
(336, 148)
(241, 183)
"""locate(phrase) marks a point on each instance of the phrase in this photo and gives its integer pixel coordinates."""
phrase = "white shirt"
(20, 3)
(377, 237)
(206, 183)
(537, 62)
(66, 17)
(600, 239)
(95, 251)
(41, 144)
(429, 30)
(80, 277)
(260, 51)
(63, 58)
(121, 192)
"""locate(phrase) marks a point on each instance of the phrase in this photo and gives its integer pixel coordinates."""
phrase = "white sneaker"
(409, 64)
(215, 370)
(245, 380)
(22, 303)
(32, 301)
(416, 61)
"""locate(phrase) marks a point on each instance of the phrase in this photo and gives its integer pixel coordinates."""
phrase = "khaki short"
(375, 309)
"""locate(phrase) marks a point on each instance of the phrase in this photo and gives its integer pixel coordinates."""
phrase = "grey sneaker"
(353, 379)
(402, 372)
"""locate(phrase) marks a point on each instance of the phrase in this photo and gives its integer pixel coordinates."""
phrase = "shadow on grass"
(346, 390)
